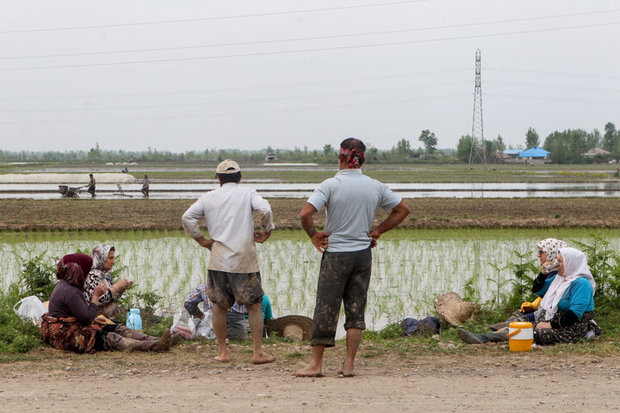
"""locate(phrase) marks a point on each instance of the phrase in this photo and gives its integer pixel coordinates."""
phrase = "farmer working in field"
(233, 265)
(351, 200)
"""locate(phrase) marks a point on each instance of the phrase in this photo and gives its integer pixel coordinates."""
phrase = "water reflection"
(193, 189)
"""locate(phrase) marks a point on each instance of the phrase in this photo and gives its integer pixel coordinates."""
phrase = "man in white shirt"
(351, 200)
(233, 273)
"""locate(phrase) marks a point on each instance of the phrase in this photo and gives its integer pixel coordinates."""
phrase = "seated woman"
(237, 325)
(566, 309)
(103, 261)
(547, 253)
(72, 323)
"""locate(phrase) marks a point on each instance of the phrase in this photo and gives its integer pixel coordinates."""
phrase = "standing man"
(91, 185)
(351, 201)
(233, 265)
(145, 186)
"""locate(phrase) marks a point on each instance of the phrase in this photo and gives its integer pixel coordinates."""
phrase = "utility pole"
(477, 152)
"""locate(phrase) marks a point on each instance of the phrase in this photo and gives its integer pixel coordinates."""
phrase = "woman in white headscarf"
(548, 250)
(567, 306)
(566, 312)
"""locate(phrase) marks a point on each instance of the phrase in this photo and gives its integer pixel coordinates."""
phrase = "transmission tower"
(477, 151)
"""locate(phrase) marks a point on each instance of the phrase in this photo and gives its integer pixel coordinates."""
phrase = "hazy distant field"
(384, 172)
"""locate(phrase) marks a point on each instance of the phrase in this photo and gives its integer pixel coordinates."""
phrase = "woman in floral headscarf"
(103, 261)
(566, 312)
(72, 322)
(547, 252)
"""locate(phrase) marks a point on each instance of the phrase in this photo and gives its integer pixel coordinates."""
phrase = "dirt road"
(187, 379)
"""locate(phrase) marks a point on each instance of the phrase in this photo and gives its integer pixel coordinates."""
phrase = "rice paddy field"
(410, 268)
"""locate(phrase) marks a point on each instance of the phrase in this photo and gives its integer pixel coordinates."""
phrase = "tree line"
(565, 146)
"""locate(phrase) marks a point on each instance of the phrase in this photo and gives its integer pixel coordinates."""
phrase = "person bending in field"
(351, 201)
(233, 273)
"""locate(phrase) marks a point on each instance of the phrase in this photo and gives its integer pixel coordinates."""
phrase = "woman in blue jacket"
(566, 309)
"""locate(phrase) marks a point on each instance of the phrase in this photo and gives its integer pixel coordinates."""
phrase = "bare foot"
(222, 358)
(309, 371)
(263, 358)
(347, 370)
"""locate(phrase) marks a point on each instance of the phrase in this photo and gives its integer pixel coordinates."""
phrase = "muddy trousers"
(123, 338)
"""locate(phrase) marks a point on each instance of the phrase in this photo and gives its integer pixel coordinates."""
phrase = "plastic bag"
(204, 327)
(30, 308)
(183, 324)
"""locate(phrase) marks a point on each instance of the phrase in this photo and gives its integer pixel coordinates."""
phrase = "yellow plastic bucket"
(520, 336)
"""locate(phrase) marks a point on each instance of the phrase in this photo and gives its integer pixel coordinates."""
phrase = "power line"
(289, 109)
(540, 72)
(227, 102)
(320, 49)
(548, 85)
(561, 99)
(236, 89)
(203, 19)
(325, 37)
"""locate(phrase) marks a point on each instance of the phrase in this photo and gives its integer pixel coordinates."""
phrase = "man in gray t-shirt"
(351, 202)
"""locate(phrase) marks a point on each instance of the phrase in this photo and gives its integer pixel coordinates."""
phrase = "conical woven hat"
(453, 309)
(297, 327)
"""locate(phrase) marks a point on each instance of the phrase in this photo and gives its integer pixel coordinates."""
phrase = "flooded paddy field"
(408, 273)
(191, 190)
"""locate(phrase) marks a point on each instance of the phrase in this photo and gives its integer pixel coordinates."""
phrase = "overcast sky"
(192, 74)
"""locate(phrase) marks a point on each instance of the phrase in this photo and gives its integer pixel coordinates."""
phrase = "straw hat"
(297, 327)
(453, 309)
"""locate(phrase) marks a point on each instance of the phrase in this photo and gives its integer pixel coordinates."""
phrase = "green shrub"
(391, 331)
(16, 336)
(604, 264)
(37, 275)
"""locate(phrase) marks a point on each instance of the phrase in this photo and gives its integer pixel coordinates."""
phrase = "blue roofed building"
(534, 154)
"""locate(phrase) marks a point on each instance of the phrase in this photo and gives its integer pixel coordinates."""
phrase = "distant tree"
(429, 140)
(94, 154)
(593, 139)
(463, 148)
(531, 138)
(567, 146)
(500, 146)
(403, 146)
(611, 138)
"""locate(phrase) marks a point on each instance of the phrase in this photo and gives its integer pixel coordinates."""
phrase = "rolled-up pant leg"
(335, 269)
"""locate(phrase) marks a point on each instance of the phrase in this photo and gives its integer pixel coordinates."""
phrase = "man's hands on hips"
(374, 236)
(205, 243)
(261, 236)
(319, 239)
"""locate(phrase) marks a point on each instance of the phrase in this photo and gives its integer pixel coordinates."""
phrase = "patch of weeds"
(556, 216)
(391, 331)
(295, 355)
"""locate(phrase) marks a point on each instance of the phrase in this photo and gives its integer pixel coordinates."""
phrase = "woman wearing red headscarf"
(72, 323)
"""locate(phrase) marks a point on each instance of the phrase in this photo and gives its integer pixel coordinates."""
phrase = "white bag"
(30, 308)
(183, 324)
(204, 327)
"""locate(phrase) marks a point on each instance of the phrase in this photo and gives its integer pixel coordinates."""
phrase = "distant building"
(510, 155)
(596, 151)
(534, 153)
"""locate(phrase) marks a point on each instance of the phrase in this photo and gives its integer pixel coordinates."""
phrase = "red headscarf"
(353, 157)
(74, 268)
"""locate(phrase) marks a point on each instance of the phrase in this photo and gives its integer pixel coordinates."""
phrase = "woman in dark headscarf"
(103, 261)
(72, 323)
